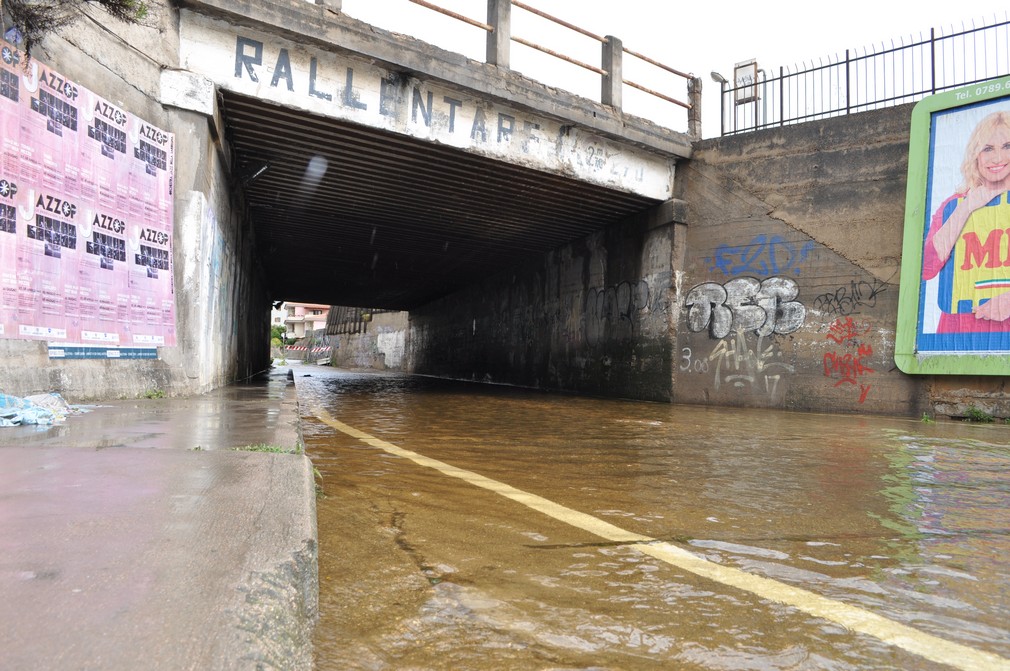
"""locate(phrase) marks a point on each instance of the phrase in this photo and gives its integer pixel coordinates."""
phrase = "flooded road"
(471, 527)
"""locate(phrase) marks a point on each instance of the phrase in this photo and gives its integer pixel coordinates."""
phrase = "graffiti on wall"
(851, 299)
(745, 304)
(764, 256)
(758, 366)
(847, 364)
(689, 363)
(619, 305)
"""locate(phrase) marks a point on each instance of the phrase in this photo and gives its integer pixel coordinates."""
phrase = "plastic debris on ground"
(42, 409)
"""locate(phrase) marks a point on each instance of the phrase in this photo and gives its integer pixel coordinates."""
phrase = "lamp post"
(719, 79)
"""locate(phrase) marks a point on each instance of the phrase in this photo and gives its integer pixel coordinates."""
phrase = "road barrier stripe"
(851, 617)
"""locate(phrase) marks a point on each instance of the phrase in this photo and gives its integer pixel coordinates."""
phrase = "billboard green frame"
(921, 345)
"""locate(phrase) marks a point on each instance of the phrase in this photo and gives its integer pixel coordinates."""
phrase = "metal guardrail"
(867, 79)
(499, 32)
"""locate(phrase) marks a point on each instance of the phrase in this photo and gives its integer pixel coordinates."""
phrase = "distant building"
(277, 315)
(303, 318)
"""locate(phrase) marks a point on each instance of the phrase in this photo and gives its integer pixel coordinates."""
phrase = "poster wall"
(954, 307)
(86, 195)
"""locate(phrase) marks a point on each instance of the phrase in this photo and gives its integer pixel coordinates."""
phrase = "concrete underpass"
(381, 172)
(535, 237)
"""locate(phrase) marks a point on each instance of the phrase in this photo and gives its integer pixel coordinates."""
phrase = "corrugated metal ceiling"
(394, 222)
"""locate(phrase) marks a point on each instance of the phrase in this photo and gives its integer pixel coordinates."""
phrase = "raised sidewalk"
(134, 537)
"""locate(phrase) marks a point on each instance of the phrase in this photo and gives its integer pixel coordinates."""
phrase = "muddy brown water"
(421, 570)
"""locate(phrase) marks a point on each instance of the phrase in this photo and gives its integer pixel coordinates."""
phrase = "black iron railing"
(870, 78)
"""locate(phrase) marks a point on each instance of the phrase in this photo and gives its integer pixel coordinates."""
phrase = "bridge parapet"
(611, 69)
(313, 58)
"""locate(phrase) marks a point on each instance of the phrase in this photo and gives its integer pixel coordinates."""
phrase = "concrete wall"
(222, 310)
(795, 235)
(593, 317)
(383, 345)
(781, 291)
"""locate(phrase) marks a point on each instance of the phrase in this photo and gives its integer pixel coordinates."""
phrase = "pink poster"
(85, 215)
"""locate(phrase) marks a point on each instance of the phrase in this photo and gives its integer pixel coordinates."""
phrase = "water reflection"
(905, 519)
(230, 416)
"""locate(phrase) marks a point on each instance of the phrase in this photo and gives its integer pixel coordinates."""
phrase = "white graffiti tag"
(745, 304)
(739, 365)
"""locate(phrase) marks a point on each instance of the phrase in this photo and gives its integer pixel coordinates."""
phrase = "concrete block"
(188, 91)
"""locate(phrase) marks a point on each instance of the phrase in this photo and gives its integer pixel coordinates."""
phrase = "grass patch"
(276, 449)
(154, 393)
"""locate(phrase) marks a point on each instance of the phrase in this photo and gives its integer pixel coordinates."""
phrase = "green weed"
(318, 478)
(978, 415)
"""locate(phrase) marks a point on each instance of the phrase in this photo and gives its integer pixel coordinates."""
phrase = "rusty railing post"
(613, 78)
(499, 40)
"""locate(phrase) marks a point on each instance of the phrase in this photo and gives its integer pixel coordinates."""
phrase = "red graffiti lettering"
(849, 367)
(844, 330)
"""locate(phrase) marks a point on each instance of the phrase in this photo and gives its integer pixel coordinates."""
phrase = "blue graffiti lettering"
(762, 256)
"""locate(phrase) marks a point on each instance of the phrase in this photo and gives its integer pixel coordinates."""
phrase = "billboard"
(86, 195)
(954, 303)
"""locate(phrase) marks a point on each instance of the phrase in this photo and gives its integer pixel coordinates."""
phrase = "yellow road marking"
(855, 619)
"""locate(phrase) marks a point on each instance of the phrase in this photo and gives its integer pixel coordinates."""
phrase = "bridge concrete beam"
(195, 93)
(324, 27)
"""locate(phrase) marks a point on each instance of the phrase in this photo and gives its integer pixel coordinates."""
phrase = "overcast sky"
(696, 37)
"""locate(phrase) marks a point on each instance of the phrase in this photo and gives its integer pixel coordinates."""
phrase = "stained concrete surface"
(132, 536)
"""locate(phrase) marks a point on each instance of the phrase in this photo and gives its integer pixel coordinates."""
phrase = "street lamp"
(722, 100)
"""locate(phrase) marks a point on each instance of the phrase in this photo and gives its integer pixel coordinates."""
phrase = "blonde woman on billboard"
(968, 244)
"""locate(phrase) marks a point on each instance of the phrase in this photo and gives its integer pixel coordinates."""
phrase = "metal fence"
(344, 320)
(870, 78)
